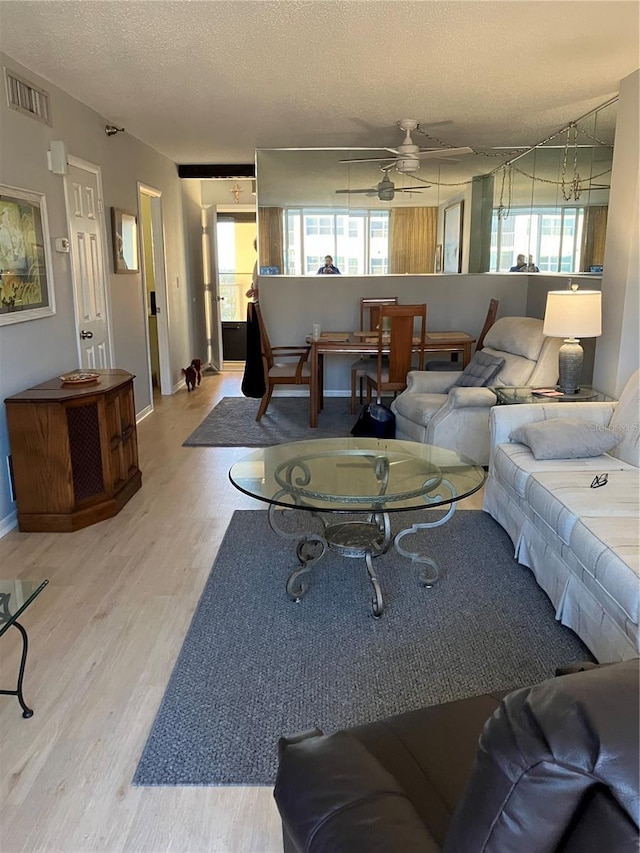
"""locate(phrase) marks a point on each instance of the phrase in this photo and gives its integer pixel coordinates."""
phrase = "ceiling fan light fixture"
(406, 165)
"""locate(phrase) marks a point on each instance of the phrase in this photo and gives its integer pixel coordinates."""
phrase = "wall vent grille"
(27, 98)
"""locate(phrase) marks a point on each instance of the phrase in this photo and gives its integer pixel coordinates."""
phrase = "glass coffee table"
(15, 597)
(353, 486)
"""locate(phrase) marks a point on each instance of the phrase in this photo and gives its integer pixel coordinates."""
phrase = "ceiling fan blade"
(443, 153)
(369, 160)
(374, 191)
(412, 189)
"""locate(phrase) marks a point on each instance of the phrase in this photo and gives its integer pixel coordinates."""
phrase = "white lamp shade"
(573, 314)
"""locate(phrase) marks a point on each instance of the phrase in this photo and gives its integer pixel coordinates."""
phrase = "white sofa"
(434, 410)
(581, 543)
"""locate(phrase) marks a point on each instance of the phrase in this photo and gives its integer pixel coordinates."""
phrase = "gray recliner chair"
(435, 410)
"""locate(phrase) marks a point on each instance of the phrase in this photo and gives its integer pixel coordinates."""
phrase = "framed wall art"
(124, 230)
(26, 278)
(452, 260)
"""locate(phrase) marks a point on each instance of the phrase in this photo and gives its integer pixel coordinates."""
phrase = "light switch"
(62, 244)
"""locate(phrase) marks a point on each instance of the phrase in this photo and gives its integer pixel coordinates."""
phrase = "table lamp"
(572, 314)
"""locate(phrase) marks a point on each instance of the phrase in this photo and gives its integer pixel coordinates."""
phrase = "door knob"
(84, 335)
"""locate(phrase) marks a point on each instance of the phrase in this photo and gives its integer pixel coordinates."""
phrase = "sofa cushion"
(334, 795)
(518, 335)
(608, 549)
(560, 498)
(565, 438)
(419, 408)
(514, 463)
(625, 422)
(482, 368)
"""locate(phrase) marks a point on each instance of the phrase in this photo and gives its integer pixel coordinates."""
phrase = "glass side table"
(15, 597)
(510, 396)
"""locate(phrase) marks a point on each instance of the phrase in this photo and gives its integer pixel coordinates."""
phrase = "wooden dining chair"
(282, 365)
(397, 348)
(489, 320)
(369, 305)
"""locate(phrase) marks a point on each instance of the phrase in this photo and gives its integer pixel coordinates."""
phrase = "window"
(236, 256)
(552, 236)
(357, 240)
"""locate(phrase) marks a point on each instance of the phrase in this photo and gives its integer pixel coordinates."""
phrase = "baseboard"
(144, 414)
(8, 523)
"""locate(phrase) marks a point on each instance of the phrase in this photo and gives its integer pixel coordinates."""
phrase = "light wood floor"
(104, 636)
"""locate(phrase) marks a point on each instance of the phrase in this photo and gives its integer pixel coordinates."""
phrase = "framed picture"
(452, 261)
(437, 259)
(26, 280)
(124, 230)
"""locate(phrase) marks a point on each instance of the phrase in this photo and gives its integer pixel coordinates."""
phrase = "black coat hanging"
(253, 384)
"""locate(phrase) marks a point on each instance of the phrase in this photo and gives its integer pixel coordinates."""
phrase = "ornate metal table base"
(26, 712)
(368, 539)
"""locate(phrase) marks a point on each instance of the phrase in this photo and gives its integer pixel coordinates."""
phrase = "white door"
(85, 214)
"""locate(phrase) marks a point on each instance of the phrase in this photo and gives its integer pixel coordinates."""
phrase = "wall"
(33, 351)
(291, 304)
(618, 351)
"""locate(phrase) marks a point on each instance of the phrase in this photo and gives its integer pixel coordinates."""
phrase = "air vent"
(26, 98)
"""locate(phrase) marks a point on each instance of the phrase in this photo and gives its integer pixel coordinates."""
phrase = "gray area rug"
(256, 665)
(232, 423)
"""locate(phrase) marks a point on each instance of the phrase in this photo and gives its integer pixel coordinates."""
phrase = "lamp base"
(570, 366)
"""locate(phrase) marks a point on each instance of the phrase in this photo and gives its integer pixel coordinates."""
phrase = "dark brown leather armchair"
(556, 769)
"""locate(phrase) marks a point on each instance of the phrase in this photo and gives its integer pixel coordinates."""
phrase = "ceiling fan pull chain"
(566, 193)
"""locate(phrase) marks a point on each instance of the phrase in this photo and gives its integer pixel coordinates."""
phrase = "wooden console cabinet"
(74, 451)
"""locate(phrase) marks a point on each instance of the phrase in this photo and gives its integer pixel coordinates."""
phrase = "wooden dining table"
(366, 343)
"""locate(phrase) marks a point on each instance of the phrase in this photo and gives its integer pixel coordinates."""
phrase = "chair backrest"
(530, 358)
(371, 304)
(489, 320)
(403, 341)
(566, 749)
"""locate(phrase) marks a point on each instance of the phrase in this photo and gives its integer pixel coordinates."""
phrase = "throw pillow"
(480, 371)
(565, 438)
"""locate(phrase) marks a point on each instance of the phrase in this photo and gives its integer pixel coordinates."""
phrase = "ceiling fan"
(386, 189)
(408, 154)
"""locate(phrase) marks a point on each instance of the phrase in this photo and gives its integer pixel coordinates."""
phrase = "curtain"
(271, 237)
(593, 236)
(412, 239)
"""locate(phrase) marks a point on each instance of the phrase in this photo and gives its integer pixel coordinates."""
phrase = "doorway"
(235, 236)
(154, 289)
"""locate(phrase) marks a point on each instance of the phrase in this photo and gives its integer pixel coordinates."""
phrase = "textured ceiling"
(212, 81)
